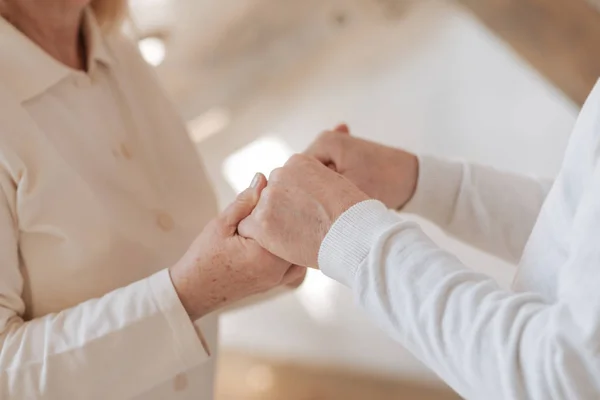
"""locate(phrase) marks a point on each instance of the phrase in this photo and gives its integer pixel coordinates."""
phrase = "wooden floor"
(244, 377)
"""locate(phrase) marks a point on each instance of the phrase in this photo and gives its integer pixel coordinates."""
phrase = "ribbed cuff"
(437, 187)
(351, 238)
(188, 343)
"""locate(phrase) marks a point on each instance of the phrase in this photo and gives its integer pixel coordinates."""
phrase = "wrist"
(188, 293)
(342, 203)
(345, 200)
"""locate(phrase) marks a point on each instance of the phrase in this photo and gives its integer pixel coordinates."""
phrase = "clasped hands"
(274, 229)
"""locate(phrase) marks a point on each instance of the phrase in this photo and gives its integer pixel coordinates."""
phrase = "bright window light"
(153, 50)
(208, 124)
(263, 155)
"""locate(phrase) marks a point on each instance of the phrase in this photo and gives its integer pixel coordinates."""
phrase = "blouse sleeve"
(117, 346)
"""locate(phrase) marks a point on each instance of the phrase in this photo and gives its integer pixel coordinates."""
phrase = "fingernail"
(255, 181)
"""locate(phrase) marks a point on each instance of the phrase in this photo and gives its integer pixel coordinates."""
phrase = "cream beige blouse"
(100, 191)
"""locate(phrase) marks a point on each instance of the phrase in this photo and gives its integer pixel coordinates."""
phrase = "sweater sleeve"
(492, 210)
(114, 347)
(485, 342)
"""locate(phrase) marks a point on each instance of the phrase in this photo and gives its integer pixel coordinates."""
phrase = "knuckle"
(296, 159)
(280, 177)
(274, 177)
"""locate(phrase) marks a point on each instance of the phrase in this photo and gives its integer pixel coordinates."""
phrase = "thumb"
(342, 128)
(244, 204)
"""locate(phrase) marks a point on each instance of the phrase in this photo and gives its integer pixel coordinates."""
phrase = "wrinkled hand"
(384, 173)
(296, 210)
(221, 267)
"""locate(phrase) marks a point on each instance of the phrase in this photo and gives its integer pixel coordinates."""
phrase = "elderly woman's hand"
(385, 173)
(221, 267)
(301, 202)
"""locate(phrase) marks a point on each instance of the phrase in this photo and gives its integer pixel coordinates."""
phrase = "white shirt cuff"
(352, 237)
(187, 340)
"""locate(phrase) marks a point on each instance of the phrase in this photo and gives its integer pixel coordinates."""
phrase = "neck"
(54, 25)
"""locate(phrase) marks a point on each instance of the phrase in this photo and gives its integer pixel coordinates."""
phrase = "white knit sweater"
(538, 341)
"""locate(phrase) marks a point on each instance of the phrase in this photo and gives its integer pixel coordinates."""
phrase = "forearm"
(489, 209)
(117, 346)
(483, 341)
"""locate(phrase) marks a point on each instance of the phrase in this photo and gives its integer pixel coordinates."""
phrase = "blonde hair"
(110, 13)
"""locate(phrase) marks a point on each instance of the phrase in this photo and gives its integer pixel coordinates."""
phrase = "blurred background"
(495, 82)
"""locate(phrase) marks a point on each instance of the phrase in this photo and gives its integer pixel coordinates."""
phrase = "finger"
(244, 204)
(321, 149)
(327, 150)
(326, 153)
(294, 276)
(342, 128)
